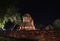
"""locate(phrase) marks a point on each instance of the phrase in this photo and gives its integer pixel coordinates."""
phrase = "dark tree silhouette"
(9, 25)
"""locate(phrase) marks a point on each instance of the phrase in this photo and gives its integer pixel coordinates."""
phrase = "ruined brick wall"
(51, 35)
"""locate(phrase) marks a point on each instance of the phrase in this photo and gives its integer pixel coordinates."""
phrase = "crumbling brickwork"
(50, 35)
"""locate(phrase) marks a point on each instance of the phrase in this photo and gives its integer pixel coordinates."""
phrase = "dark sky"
(41, 11)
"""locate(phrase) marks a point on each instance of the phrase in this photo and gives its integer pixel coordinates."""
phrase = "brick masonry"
(40, 35)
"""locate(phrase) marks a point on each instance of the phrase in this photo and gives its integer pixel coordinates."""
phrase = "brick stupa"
(27, 23)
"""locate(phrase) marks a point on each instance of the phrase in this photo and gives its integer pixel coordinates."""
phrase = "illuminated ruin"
(27, 23)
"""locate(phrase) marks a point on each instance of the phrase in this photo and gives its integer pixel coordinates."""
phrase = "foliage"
(56, 23)
(12, 14)
(8, 11)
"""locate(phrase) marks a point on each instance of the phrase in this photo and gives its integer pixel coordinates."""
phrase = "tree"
(56, 23)
(12, 14)
(4, 6)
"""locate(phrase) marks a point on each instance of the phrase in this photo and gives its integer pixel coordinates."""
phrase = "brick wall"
(50, 35)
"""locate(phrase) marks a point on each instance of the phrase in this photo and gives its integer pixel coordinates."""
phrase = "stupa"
(27, 23)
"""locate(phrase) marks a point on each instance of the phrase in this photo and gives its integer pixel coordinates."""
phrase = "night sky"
(43, 12)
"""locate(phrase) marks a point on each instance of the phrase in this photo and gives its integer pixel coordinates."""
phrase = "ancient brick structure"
(50, 35)
(27, 23)
(27, 31)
